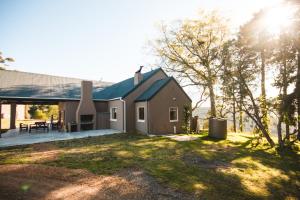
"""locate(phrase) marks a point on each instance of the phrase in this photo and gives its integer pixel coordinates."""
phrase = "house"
(150, 103)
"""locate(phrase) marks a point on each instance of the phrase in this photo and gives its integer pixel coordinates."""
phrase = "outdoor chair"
(23, 127)
(54, 125)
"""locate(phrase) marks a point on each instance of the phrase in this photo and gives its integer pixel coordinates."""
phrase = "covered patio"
(13, 102)
(14, 138)
(22, 88)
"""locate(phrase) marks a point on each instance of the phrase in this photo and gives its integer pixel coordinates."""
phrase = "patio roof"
(32, 87)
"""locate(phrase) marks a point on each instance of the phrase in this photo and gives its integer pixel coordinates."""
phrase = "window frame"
(111, 114)
(138, 114)
(176, 120)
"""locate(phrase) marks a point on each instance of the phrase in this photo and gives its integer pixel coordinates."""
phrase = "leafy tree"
(232, 70)
(284, 60)
(43, 111)
(255, 38)
(191, 50)
(228, 87)
(250, 104)
(292, 101)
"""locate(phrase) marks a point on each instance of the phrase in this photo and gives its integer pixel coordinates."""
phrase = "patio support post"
(13, 110)
(0, 117)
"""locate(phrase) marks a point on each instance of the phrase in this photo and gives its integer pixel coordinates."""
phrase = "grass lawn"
(211, 169)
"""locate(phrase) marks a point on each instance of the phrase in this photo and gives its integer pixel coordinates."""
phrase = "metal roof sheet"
(122, 88)
(16, 84)
(153, 89)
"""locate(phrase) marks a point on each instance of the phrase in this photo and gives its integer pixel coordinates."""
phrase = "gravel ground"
(45, 182)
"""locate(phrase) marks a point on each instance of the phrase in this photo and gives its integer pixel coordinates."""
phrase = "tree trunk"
(241, 123)
(283, 115)
(267, 136)
(286, 121)
(257, 119)
(212, 102)
(279, 131)
(263, 103)
(233, 116)
(298, 95)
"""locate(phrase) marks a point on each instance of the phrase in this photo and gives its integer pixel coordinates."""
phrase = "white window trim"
(176, 120)
(138, 114)
(111, 114)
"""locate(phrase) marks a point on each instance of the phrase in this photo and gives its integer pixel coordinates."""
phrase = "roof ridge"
(33, 73)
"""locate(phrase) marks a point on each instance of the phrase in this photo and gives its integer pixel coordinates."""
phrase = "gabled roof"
(153, 89)
(24, 85)
(16, 84)
(123, 88)
(156, 87)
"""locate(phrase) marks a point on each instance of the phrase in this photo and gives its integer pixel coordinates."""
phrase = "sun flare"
(278, 18)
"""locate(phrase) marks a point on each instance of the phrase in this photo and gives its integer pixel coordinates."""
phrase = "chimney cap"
(139, 71)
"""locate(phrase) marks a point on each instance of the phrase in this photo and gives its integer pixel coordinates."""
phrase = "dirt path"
(44, 182)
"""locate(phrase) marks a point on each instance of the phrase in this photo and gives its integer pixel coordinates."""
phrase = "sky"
(96, 39)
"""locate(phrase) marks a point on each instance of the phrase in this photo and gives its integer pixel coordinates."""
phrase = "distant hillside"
(201, 112)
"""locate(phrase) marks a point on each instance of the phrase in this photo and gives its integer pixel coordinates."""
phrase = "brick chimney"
(138, 76)
(86, 111)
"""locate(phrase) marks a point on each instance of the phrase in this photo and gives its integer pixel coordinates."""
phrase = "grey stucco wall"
(101, 106)
(130, 104)
(158, 109)
(118, 125)
(69, 108)
(141, 126)
(102, 116)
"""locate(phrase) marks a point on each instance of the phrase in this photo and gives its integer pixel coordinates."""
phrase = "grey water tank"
(217, 128)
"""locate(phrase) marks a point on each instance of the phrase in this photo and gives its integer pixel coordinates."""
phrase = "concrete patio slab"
(14, 138)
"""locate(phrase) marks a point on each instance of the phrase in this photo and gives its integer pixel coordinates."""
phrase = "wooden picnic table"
(38, 126)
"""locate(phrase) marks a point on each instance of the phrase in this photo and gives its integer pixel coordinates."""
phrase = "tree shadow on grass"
(163, 158)
(285, 163)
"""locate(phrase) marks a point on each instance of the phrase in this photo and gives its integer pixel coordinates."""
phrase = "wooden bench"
(38, 126)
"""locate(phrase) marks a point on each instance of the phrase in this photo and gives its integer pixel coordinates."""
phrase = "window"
(141, 114)
(113, 114)
(173, 111)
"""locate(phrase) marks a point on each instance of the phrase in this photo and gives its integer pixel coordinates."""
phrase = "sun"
(278, 18)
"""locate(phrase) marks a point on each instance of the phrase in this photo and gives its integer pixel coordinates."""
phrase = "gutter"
(148, 118)
(124, 114)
